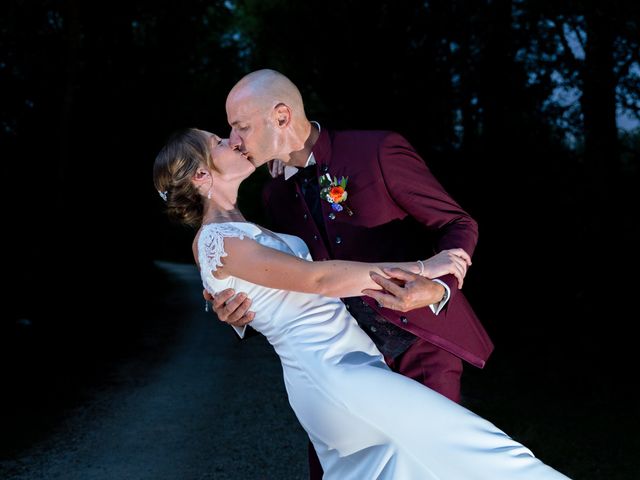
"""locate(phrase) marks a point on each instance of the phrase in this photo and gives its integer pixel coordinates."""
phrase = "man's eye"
(219, 141)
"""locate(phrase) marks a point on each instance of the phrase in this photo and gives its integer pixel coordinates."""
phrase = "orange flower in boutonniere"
(335, 192)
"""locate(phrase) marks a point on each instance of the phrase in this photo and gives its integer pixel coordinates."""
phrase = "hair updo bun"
(173, 170)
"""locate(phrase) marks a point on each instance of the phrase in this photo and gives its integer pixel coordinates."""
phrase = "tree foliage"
(504, 98)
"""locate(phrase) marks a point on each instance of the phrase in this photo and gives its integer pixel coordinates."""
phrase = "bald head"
(264, 89)
(267, 119)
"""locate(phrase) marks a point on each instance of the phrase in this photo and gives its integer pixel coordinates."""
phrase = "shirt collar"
(290, 171)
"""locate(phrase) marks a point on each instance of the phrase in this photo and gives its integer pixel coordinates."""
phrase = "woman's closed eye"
(215, 140)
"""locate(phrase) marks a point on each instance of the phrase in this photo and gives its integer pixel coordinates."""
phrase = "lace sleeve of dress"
(211, 243)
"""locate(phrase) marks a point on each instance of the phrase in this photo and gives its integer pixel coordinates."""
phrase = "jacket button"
(297, 195)
(332, 216)
(404, 320)
(338, 240)
(305, 216)
(315, 237)
(373, 329)
(325, 168)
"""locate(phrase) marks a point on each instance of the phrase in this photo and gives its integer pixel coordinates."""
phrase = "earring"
(210, 187)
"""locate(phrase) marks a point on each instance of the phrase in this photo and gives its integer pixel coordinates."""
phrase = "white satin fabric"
(365, 421)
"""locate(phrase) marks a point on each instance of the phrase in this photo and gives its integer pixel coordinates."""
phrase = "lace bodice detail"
(211, 244)
(211, 249)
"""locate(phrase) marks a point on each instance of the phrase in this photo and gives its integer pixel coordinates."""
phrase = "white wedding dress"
(365, 421)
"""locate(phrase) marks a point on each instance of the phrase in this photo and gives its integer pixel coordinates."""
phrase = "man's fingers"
(399, 273)
(384, 299)
(236, 308)
(385, 283)
(244, 320)
(207, 296)
(220, 298)
(369, 292)
(231, 308)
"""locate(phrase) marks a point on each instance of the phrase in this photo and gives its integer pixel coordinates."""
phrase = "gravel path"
(209, 407)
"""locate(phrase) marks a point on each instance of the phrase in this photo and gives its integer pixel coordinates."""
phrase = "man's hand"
(455, 261)
(415, 291)
(230, 309)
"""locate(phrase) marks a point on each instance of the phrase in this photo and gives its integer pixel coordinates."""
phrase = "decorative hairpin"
(163, 195)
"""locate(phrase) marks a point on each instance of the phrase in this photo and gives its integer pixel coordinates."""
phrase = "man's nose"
(234, 140)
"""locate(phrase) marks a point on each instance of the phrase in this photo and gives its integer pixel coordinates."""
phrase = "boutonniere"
(335, 192)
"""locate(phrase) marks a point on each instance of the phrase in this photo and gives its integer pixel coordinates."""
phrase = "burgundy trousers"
(425, 363)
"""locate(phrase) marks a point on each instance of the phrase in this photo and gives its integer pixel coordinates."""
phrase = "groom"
(391, 209)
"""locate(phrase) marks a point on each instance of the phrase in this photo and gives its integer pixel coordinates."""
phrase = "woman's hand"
(454, 261)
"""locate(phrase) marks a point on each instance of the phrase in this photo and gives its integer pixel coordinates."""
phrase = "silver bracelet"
(421, 263)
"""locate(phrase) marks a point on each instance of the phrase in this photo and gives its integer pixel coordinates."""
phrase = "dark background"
(527, 112)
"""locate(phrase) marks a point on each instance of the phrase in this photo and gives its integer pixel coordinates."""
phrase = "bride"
(365, 421)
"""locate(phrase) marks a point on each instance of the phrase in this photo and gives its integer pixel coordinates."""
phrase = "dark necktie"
(307, 178)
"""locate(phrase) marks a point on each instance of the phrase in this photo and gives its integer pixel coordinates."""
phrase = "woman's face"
(230, 163)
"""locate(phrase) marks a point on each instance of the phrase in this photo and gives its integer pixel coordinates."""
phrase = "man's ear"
(282, 115)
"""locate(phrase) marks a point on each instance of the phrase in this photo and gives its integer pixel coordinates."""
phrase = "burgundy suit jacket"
(400, 213)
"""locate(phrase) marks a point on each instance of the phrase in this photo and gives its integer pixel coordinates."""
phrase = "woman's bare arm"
(255, 263)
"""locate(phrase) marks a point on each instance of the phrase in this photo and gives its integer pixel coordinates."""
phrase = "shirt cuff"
(437, 307)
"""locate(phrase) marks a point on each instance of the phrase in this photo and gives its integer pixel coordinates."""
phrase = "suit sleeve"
(413, 187)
